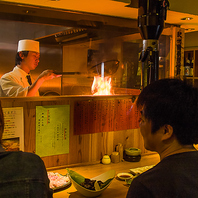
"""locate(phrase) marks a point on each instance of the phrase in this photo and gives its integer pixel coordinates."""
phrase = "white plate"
(124, 176)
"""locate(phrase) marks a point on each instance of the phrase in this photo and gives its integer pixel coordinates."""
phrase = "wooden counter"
(117, 188)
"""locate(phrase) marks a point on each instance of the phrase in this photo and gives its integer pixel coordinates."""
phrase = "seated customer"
(22, 174)
(169, 126)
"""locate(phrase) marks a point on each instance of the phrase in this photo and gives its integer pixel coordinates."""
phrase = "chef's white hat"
(28, 45)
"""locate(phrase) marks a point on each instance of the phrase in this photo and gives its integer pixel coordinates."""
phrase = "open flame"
(101, 86)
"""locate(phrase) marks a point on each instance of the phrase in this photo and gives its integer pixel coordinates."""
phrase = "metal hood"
(80, 35)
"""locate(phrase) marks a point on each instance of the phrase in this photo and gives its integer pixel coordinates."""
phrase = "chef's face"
(32, 60)
(151, 140)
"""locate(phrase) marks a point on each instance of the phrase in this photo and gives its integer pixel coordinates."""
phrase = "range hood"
(80, 35)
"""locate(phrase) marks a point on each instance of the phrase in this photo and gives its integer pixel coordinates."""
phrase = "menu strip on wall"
(95, 116)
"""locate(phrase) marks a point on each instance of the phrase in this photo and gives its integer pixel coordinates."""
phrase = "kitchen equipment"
(151, 17)
(67, 73)
(110, 67)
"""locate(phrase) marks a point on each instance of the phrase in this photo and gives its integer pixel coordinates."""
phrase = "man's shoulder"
(10, 74)
(155, 171)
(22, 156)
(169, 166)
(18, 160)
(26, 155)
(15, 75)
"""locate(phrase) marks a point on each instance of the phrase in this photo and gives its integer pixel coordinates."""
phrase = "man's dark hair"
(18, 58)
(172, 102)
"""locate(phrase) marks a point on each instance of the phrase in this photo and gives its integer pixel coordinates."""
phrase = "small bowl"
(133, 151)
(124, 176)
(94, 193)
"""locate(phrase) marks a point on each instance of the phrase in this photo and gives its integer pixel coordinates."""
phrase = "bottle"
(191, 67)
(124, 76)
(187, 66)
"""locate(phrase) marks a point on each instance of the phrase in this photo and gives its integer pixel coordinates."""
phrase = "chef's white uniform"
(14, 83)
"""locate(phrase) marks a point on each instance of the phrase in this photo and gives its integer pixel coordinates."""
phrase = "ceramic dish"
(124, 176)
(58, 182)
(132, 151)
(105, 177)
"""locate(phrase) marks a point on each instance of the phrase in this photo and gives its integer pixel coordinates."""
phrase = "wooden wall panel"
(87, 148)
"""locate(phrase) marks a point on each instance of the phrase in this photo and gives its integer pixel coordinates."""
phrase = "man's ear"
(167, 132)
(21, 55)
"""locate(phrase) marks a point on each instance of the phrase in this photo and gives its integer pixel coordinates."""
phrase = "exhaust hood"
(80, 35)
(71, 34)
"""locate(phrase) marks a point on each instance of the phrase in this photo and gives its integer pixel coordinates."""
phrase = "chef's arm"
(45, 75)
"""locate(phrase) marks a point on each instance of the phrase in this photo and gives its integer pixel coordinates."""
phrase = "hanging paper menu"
(13, 135)
(52, 130)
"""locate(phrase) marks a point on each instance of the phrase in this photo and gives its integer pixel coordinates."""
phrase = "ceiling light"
(133, 4)
(190, 29)
(186, 18)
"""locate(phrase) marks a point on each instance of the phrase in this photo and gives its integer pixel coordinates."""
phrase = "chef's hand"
(48, 75)
(45, 75)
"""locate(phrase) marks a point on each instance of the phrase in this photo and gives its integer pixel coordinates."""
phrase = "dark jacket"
(176, 176)
(23, 175)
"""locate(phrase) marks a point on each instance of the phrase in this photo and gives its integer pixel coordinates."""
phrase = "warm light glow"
(186, 18)
(101, 86)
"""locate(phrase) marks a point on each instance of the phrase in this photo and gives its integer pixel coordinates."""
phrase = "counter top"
(117, 188)
(77, 97)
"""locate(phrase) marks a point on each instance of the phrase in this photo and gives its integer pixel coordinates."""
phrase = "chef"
(18, 82)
